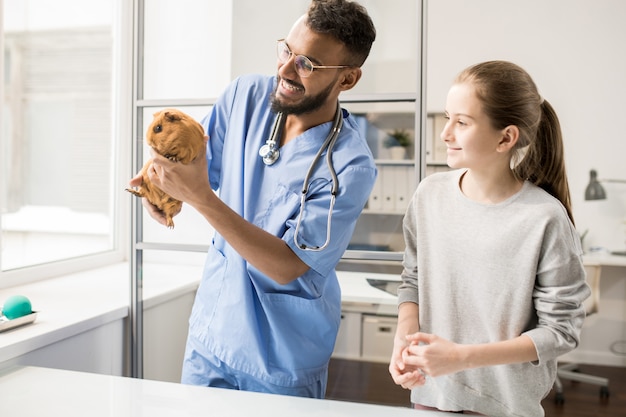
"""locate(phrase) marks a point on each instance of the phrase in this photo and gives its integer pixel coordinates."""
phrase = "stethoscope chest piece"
(269, 153)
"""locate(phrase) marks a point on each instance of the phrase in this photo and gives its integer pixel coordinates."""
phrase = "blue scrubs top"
(282, 334)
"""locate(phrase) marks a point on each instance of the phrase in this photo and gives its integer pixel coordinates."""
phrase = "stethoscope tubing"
(270, 153)
(328, 145)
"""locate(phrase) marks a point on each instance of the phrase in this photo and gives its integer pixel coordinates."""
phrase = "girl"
(493, 280)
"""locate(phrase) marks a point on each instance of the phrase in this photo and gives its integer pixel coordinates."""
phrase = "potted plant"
(397, 141)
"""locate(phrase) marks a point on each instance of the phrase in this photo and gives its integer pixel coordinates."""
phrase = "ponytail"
(544, 164)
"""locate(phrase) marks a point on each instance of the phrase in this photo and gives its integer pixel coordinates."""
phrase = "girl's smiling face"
(471, 139)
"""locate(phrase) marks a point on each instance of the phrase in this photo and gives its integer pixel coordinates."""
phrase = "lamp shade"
(594, 190)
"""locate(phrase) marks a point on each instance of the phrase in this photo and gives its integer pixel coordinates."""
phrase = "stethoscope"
(270, 154)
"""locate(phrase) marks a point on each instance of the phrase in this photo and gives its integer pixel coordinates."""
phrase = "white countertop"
(72, 304)
(354, 288)
(36, 392)
(358, 293)
(79, 302)
(604, 259)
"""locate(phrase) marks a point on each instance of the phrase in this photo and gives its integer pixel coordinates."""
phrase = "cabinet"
(377, 337)
(365, 336)
(369, 311)
(348, 344)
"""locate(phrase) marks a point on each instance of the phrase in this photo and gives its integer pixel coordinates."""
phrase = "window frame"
(122, 122)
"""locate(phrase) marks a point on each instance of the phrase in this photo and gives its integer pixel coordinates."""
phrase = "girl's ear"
(350, 77)
(510, 135)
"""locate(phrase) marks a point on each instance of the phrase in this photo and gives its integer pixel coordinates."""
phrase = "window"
(59, 187)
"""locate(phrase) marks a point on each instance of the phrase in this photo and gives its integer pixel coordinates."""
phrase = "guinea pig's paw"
(134, 192)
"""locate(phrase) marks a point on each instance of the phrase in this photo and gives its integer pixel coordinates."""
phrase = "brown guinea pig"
(178, 137)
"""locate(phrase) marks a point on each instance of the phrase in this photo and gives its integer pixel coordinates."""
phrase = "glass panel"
(385, 124)
(394, 51)
(254, 40)
(206, 44)
(56, 131)
(190, 228)
(187, 48)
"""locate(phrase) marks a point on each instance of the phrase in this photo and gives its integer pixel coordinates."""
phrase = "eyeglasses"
(304, 66)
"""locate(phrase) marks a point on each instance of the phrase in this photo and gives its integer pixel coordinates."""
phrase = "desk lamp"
(595, 191)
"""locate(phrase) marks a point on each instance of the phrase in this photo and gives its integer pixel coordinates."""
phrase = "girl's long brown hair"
(509, 97)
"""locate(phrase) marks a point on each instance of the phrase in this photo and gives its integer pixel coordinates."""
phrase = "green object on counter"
(16, 306)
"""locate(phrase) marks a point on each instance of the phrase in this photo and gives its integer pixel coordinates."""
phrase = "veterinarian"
(267, 311)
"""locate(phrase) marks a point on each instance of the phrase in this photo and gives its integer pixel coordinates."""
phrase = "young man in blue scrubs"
(267, 311)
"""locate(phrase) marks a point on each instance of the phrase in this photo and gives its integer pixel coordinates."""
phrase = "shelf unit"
(378, 233)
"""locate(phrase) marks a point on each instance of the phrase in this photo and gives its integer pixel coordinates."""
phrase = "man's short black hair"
(348, 22)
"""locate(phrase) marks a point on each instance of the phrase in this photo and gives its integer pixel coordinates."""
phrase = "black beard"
(307, 105)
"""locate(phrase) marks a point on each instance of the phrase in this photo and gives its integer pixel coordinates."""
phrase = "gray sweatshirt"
(490, 272)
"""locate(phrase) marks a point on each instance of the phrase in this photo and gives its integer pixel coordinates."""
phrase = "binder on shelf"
(430, 129)
(440, 152)
(375, 201)
(388, 187)
(405, 186)
(393, 189)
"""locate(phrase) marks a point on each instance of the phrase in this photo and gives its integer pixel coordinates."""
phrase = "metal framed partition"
(138, 245)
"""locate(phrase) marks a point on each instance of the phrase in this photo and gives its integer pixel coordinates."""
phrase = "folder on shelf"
(405, 186)
(375, 201)
(393, 189)
(440, 151)
(430, 129)
(388, 187)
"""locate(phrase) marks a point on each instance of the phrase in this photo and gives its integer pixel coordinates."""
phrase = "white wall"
(572, 49)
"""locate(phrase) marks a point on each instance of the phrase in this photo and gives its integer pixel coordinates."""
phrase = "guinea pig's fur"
(178, 137)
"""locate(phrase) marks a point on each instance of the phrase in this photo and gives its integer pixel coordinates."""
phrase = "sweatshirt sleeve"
(407, 291)
(559, 293)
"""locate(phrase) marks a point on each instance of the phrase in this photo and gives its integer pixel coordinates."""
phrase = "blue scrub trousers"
(207, 370)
